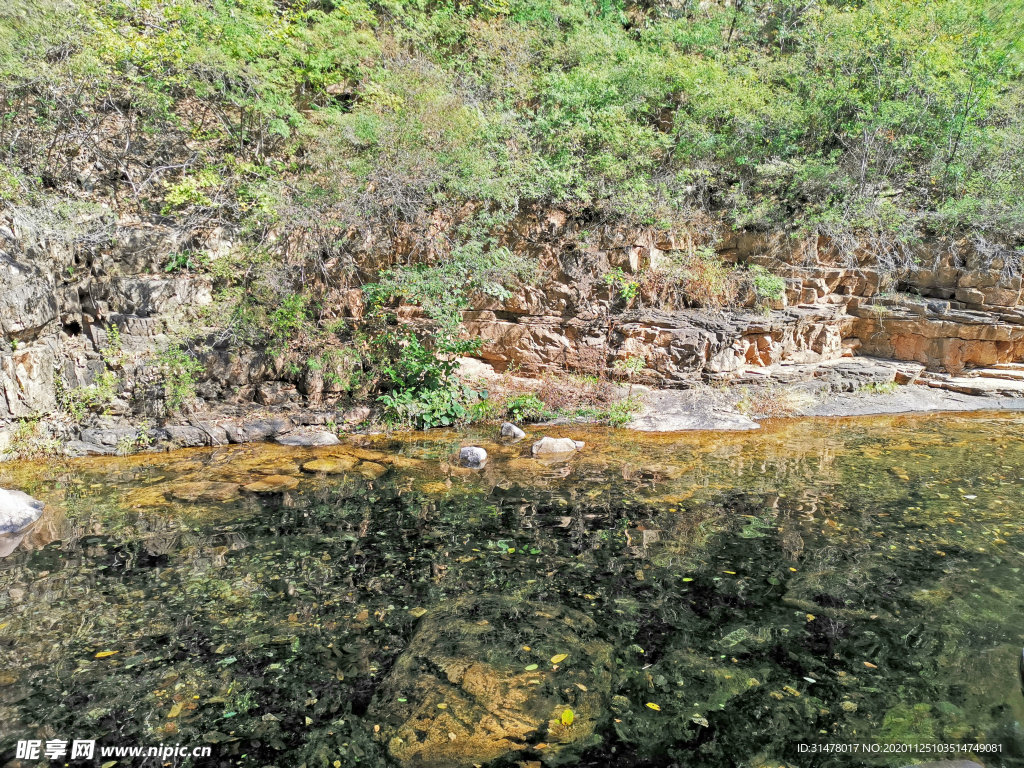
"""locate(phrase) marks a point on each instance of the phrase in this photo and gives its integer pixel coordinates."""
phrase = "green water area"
(816, 593)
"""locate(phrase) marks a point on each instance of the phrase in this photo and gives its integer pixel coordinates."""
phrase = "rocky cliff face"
(61, 296)
(959, 309)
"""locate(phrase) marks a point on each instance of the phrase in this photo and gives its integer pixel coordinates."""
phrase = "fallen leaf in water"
(567, 717)
(559, 658)
(451, 736)
(869, 665)
(699, 720)
(442, 706)
(811, 617)
(530, 667)
(362, 616)
(652, 705)
(791, 690)
(581, 686)
(104, 654)
(176, 710)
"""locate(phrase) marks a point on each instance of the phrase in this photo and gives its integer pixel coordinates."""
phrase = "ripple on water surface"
(655, 599)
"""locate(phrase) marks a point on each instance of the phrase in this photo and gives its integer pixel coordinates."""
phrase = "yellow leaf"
(567, 717)
(104, 654)
(652, 705)
(581, 686)
(559, 658)
(869, 665)
(176, 709)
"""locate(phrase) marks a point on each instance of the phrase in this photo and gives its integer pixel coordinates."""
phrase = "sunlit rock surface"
(479, 682)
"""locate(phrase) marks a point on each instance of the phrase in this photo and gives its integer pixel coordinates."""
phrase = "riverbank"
(850, 387)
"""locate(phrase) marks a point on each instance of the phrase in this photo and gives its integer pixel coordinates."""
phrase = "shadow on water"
(689, 600)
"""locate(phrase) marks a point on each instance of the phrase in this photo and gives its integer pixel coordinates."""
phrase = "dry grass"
(773, 401)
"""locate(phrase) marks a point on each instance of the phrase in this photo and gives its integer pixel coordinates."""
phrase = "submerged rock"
(472, 457)
(205, 491)
(551, 445)
(371, 470)
(18, 510)
(466, 692)
(508, 429)
(309, 439)
(272, 484)
(334, 465)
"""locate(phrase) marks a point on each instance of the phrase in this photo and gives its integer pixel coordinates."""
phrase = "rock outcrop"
(466, 691)
(955, 309)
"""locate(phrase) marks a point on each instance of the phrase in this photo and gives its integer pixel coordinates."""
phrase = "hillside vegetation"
(317, 132)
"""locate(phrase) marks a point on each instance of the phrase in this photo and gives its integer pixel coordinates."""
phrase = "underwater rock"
(508, 429)
(205, 491)
(17, 510)
(466, 692)
(309, 439)
(371, 471)
(549, 445)
(272, 484)
(334, 465)
(472, 456)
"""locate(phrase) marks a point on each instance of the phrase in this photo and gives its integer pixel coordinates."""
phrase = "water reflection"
(846, 582)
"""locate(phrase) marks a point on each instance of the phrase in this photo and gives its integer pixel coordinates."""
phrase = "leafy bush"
(526, 408)
(179, 372)
(767, 287)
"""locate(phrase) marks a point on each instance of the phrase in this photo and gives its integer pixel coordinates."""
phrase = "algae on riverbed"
(266, 625)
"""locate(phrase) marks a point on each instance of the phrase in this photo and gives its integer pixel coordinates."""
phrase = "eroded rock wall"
(60, 296)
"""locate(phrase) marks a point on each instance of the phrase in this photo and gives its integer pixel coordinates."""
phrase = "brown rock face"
(461, 694)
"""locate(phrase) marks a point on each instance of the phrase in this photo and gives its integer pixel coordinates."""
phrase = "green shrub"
(527, 408)
(179, 372)
(767, 287)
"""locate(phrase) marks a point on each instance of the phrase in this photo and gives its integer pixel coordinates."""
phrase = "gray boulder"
(257, 430)
(309, 439)
(77, 448)
(17, 510)
(556, 445)
(508, 429)
(472, 457)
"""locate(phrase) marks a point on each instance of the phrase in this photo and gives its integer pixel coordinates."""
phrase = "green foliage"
(526, 408)
(443, 289)
(97, 396)
(179, 372)
(767, 287)
(616, 279)
(424, 389)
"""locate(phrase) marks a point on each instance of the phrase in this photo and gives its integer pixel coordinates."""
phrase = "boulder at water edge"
(308, 439)
(556, 445)
(472, 457)
(17, 510)
(508, 429)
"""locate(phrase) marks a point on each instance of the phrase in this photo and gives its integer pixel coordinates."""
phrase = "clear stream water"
(847, 582)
